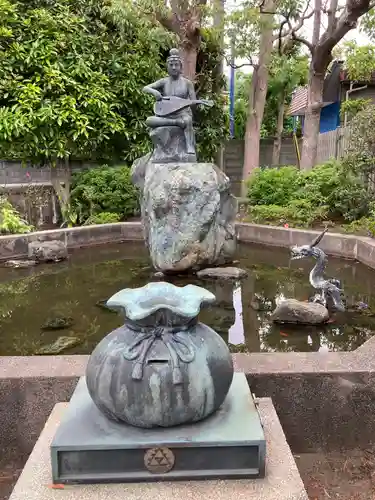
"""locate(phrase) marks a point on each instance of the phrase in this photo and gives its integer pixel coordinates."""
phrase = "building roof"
(331, 92)
(299, 102)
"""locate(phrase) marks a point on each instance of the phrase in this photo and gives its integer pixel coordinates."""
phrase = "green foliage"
(365, 226)
(273, 186)
(71, 79)
(103, 218)
(359, 60)
(298, 213)
(332, 185)
(69, 85)
(69, 214)
(286, 73)
(211, 124)
(104, 189)
(327, 192)
(352, 107)
(10, 220)
(360, 155)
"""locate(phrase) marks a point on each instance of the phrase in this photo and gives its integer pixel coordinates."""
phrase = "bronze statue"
(175, 95)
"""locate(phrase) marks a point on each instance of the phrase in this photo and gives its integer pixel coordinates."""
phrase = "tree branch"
(331, 14)
(302, 40)
(317, 22)
(347, 21)
(239, 66)
(294, 29)
(168, 21)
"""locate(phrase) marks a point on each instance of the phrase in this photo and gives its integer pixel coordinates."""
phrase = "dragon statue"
(329, 290)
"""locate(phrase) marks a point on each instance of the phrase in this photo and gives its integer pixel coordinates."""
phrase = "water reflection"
(236, 334)
(76, 289)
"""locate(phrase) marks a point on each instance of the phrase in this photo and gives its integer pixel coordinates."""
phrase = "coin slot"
(157, 361)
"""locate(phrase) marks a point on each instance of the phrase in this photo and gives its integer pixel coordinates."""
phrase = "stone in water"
(61, 344)
(297, 312)
(225, 273)
(47, 251)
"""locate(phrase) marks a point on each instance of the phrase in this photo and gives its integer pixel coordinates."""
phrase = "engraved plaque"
(159, 460)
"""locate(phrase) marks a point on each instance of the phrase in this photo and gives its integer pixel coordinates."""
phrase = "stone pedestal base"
(282, 480)
(90, 448)
(170, 146)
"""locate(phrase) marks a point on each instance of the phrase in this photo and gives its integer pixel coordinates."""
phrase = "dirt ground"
(346, 476)
(8, 478)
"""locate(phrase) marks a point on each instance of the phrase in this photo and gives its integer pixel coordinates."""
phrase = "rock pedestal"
(188, 214)
(169, 145)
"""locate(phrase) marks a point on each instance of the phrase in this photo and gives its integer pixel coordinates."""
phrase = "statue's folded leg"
(158, 121)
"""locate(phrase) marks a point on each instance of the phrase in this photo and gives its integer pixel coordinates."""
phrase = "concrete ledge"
(282, 481)
(339, 245)
(307, 389)
(15, 246)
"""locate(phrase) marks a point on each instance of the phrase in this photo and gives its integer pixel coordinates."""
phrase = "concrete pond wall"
(336, 244)
(324, 400)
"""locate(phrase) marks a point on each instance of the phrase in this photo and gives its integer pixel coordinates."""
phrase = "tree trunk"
(189, 61)
(258, 93)
(279, 130)
(219, 16)
(312, 119)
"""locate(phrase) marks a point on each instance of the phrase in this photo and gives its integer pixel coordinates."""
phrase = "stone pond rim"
(339, 245)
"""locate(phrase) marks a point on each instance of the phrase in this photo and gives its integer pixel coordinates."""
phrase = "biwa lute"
(170, 105)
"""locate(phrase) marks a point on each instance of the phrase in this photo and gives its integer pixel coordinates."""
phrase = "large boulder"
(296, 312)
(188, 214)
(47, 251)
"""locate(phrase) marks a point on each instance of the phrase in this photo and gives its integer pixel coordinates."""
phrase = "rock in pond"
(103, 305)
(47, 251)
(18, 264)
(225, 273)
(58, 323)
(188, 215)
(297, 312)
(60, 345)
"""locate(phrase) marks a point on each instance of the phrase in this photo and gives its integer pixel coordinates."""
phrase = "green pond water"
(70, 294)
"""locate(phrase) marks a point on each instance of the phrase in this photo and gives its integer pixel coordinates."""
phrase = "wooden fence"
(333, 144)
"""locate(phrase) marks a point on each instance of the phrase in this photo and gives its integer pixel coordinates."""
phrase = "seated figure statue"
(175, 95)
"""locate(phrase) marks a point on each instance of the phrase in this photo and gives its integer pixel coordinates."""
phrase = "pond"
(58, 308)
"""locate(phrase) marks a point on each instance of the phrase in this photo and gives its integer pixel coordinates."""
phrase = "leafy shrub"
(103, 218)
(365, 225)
(328, 191)
(360, 155)
(299, 213)
(104, 189)
(273, 186)
(342, 191)
(10, 219)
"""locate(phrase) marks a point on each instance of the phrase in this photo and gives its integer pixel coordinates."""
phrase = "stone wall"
(234, 154)
(30, 190)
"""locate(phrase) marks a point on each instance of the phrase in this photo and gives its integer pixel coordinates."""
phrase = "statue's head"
(301, 252)
(174, 63)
